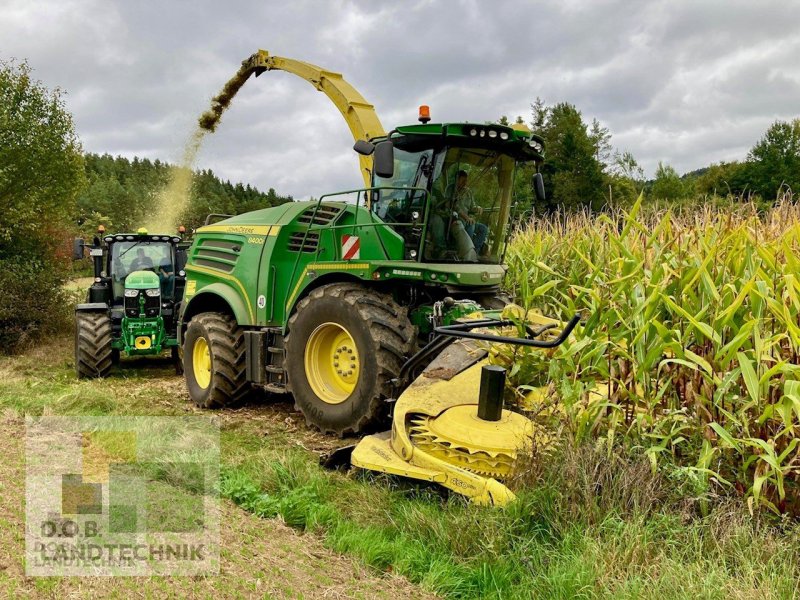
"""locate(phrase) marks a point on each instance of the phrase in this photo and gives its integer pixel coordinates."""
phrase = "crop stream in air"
(174, 197)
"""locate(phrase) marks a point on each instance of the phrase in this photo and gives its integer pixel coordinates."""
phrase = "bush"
(41, 173)
(33, 303)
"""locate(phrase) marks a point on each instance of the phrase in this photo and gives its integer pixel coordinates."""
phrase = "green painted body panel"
(423, 317)
(516, 144)
(143, 326)
(151, 327)
(142, 280)
(261, 262)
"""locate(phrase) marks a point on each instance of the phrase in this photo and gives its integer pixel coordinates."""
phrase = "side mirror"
(538, 187)
(383, 164)
(77, 249)
(364, 147)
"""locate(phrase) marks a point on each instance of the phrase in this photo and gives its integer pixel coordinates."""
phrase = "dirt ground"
(260, 558)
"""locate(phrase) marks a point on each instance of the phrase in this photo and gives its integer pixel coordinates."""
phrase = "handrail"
(424, 197)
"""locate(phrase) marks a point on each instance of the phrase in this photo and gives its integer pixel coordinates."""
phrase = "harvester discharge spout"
(359, 114)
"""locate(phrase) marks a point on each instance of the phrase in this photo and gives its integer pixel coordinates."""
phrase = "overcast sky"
(688, 83)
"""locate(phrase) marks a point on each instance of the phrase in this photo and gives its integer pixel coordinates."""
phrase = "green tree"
(601, 140)
(625, 165)
(774, 162)
(124, 193)
(724, 179)
(668, 184)
(41, 172)
(573, 176)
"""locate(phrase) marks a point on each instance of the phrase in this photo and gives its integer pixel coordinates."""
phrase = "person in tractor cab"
(466, 208)
(452, 209)
(142, 262)
(166, 275)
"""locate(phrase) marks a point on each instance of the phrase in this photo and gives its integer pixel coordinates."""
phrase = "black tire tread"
(94, 356)
(226, 342)
(392, 334)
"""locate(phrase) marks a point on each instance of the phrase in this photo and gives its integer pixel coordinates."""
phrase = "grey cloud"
(685, 82)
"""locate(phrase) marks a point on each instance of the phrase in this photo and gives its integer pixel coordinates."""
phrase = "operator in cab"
(454, 217)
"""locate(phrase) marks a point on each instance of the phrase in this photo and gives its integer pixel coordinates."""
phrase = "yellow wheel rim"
(201, 362)
(332, 363)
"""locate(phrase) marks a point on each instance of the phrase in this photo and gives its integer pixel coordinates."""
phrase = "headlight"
(131, 293)
(473, 132)
(503, 135)
(153, 292)
(492, 133)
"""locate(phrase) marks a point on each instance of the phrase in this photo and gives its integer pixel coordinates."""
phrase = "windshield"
(470, 201)
(127, 257)
(470, 204)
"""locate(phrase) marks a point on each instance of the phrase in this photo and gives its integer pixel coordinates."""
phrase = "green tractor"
(132, 305)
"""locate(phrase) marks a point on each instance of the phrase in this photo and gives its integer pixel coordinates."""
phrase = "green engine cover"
(142, 280)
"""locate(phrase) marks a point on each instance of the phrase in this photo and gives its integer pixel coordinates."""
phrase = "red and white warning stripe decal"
(351, 247)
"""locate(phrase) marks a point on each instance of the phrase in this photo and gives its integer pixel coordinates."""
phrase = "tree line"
(121, 194)
(583, 170)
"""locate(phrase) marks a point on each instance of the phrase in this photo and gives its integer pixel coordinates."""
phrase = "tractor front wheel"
(345, 344)
(93, 353)
(214, 361)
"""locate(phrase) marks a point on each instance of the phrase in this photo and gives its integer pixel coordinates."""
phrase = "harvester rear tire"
(93, 352)
(227, 384)
(383, 337)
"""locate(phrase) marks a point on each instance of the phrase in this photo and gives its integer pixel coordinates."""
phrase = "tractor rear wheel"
(93, 352)
(345, 344)
(214, 361)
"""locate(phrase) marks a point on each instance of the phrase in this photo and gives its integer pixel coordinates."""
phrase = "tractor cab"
(149, 255)
(447, 189)
(133, 303)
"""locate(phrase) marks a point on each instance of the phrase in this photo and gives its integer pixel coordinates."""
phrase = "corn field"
(689, 348)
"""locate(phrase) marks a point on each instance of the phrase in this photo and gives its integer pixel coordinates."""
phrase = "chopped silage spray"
(174, 197)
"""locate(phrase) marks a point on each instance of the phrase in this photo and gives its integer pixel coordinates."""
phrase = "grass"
(260, 558)
(546, 545)
(588, 524)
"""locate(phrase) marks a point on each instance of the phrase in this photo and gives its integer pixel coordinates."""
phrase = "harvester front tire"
(93, 352)
(226, 382)
(383, 338)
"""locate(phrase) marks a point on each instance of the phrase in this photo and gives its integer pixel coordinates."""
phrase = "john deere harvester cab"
(132, 305)
(336, 300)
(448, 190)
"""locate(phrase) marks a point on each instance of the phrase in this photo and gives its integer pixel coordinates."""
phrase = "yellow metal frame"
(397, 455)
(359, 114)
(399, 452)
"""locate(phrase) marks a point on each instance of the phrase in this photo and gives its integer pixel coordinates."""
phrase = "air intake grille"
(324, 214)
(217, 254)
(296, 243)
